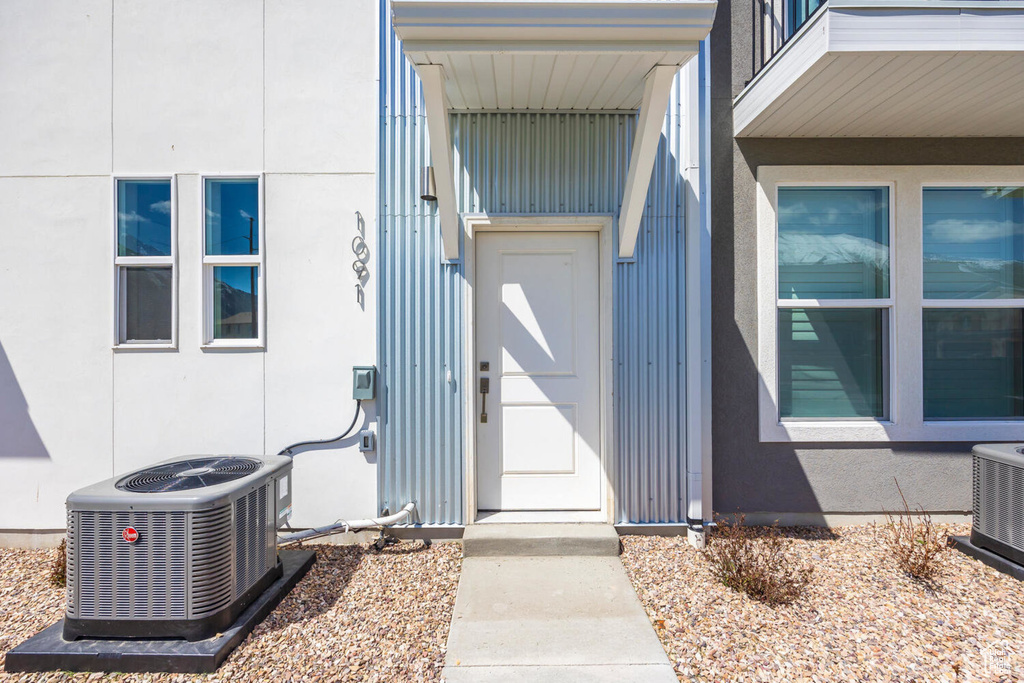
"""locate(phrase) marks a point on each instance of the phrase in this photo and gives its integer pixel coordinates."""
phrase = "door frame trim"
(604, 226)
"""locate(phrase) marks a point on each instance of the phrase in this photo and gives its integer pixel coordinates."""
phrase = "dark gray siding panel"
(805, 478)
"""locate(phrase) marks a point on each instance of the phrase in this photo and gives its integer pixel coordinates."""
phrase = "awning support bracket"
(439, 129)
(657, 90)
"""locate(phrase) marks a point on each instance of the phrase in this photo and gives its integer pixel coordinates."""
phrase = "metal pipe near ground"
(346, 526)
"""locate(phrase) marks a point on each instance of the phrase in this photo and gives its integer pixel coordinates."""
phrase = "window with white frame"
(144, 254)
(974, 300)
(891, 303)
(232, 261)
(834, 306)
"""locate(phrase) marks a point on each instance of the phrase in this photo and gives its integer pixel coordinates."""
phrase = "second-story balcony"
(884, 68)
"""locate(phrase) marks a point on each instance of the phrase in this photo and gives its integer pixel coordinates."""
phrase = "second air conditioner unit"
(999, 499)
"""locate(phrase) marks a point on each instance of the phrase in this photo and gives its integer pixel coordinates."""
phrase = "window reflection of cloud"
(132, 217)
(969, 230)
(794, 211)
(163, 207)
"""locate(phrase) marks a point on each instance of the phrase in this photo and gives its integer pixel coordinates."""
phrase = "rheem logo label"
(130, 535)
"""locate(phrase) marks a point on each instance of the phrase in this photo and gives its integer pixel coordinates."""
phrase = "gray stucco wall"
(756, 477)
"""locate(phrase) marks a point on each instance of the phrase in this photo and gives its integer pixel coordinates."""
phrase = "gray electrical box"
(364, 383)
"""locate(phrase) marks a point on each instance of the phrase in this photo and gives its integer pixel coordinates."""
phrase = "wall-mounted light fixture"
(428, 191)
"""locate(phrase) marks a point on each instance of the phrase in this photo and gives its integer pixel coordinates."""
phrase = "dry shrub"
(755, 562)
(913, 541)
(59, 568)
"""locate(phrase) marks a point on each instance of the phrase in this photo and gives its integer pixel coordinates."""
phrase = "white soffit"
(546, 54)
(910, 68)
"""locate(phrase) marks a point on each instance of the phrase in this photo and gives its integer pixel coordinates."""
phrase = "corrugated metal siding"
(524, 163)
(420, 313)
(541, 163)
(649, 344)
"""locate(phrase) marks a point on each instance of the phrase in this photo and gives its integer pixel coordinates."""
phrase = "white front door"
(538, 346)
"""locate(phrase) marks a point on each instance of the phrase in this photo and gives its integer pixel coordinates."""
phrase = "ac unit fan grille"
(189, 474)
(999, 501)
(116, 580)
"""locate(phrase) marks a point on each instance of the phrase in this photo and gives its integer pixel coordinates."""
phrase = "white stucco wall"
(97, 88)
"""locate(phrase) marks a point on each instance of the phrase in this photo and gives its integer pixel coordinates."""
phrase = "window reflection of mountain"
(132, 245)
(234, 314)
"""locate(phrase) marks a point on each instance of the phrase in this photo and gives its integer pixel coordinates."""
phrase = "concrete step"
(525, 540)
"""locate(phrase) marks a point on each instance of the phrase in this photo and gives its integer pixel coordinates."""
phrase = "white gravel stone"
(357, 615)
(861, 619)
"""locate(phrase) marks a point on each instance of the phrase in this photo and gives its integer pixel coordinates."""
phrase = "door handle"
(485, 388)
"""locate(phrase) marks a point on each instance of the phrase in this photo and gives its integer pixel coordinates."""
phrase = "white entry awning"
(502, 54)
(549, 55)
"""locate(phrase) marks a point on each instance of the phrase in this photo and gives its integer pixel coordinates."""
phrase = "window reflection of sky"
(232, 216)
(833, 242)
(241, 278)
(143, 217)
(973, 243)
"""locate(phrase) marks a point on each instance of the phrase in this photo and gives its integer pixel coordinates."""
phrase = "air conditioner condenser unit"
(999, 499)
(175, 550)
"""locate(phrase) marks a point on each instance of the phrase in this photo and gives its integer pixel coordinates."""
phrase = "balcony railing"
(775, 22)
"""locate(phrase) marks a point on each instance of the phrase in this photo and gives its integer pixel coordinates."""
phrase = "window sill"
(170, 346)
(234, 345)
(870, 431)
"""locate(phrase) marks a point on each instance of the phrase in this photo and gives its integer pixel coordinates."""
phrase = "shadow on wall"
(804, 482)
(809, 480)
(18, 435)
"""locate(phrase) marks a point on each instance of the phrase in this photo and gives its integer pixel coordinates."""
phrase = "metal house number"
(362, 253)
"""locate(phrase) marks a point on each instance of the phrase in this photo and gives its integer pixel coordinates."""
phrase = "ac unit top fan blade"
(184, 475)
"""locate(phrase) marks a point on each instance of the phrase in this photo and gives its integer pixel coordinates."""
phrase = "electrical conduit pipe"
(345, 526)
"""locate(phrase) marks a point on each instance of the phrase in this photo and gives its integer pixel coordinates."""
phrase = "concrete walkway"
(526, 614)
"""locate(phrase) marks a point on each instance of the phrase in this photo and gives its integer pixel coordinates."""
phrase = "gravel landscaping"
(357, 616)
(859, 620)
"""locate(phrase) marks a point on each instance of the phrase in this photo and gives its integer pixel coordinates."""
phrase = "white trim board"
(553, 21)
(439, 130)
(657, 90)
(473, 223)
(170, 261)
(208, 262)
(906, 422)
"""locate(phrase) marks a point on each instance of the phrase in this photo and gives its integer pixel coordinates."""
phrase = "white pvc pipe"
(346, 526)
